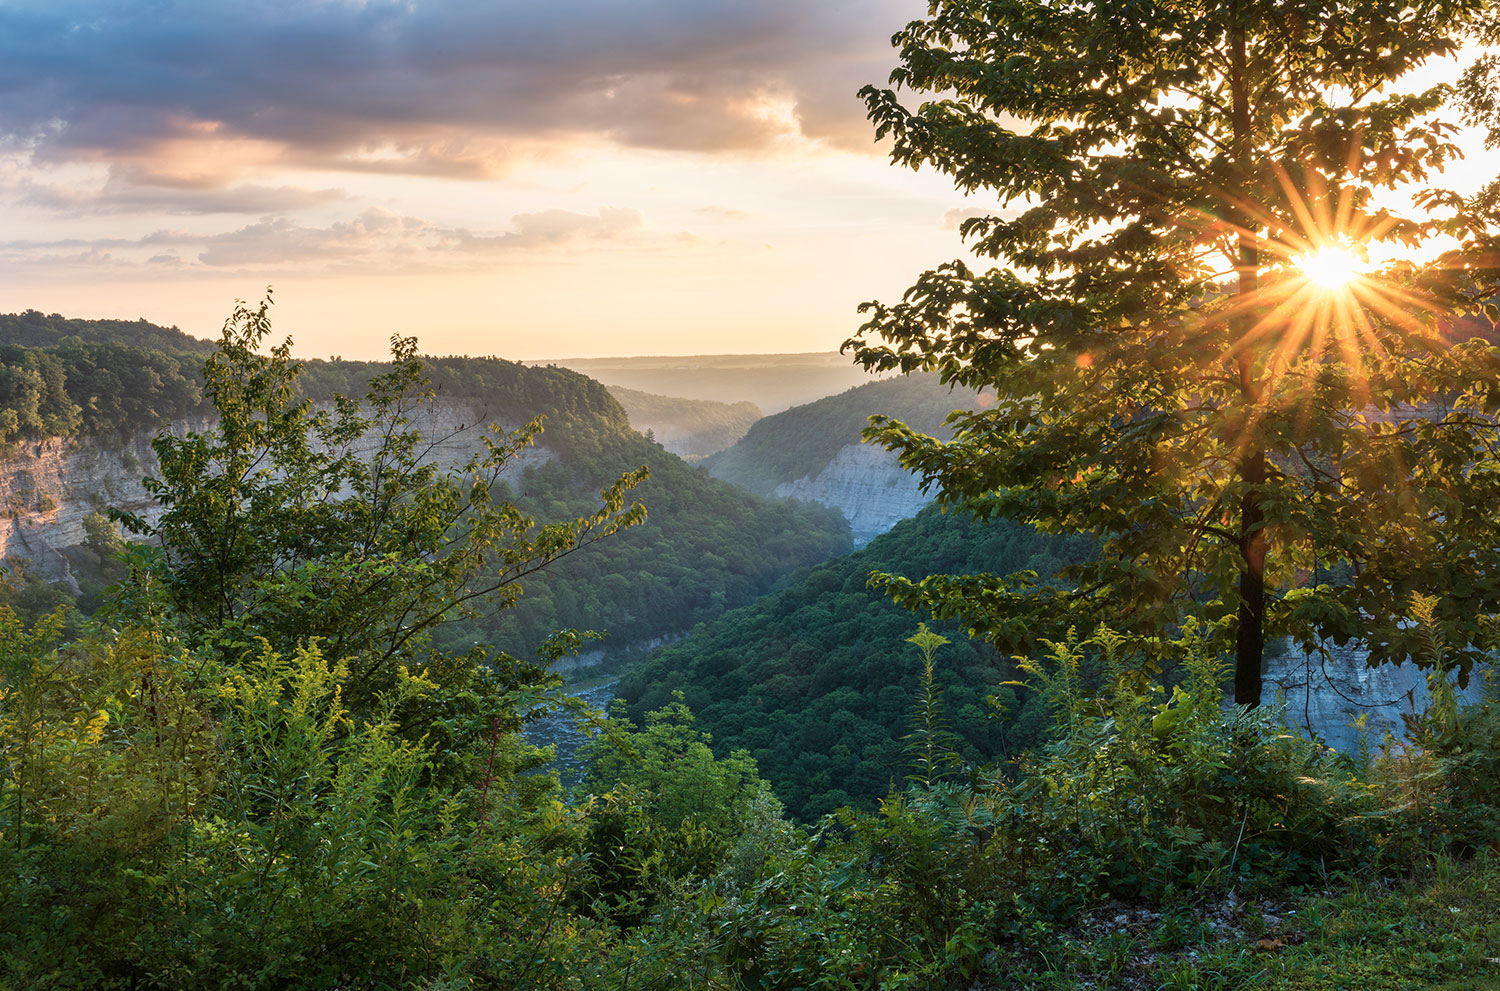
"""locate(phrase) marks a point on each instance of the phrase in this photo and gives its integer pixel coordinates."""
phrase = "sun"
(1333, 266)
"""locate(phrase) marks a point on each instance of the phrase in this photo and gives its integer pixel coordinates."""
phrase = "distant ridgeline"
(817, 682)
(46, 330)
(800, 442)
(689, 427)
(705, 546)
(773, 382)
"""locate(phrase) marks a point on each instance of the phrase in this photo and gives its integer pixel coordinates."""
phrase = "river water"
(561, 731)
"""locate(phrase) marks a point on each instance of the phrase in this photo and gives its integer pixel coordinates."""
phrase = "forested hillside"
(92, 387)
(817, 682)
(64, 378)
(799, 442)
(37, 329)
(705, 546)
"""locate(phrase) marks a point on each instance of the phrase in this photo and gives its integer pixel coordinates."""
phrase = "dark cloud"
(185, 90)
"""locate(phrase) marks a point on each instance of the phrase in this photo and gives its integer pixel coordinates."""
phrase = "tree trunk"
(1250, 636)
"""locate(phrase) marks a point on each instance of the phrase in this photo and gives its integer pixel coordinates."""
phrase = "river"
(560, 730)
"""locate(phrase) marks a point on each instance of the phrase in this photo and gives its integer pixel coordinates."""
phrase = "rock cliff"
(1326, 696)
(867, 485)
(1329, 695)
(47, 488)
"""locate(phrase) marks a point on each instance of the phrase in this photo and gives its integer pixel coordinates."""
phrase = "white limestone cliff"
(867, 485)
(47, 488)
(1330, 695)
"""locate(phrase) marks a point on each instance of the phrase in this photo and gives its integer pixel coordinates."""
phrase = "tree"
(1278, 456)
(101, 537)
(1479, 90)
(670, 809)
(34, 401)
(289, 523)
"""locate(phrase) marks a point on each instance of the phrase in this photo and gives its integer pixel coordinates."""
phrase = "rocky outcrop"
(868, 485)
(47, 488)
(1329, 695)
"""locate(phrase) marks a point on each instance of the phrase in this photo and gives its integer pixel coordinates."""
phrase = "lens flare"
(1332, 266)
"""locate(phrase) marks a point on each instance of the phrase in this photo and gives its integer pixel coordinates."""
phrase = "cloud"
(953, 219)
(550, 227)
(193, 91)
(376, 240)
(125, 195)
(718, 212)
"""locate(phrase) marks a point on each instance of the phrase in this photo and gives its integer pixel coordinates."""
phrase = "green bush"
(666, 811)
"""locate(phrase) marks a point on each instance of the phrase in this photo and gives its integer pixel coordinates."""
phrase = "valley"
(770, 496)
(767, 496)
(748, 651)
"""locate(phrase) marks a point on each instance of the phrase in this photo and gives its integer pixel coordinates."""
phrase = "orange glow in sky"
(660, 177)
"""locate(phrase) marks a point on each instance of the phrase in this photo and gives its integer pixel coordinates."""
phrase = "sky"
(532, 180)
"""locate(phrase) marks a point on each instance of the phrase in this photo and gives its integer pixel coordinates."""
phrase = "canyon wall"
(48, 487)
(1330, 695)
(868, 485)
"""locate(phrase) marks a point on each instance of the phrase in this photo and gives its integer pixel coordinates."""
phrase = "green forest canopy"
(36, 329)
(799, 442)
(705, 546)
(816, 680)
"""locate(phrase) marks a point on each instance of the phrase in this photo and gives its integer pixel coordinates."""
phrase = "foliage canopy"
(287, 523)
(817, 682)
(1275, 456)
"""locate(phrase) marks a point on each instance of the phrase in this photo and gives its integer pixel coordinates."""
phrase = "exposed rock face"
(867, 485)
(47, 488)
(870, 488)
(1328, 696)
